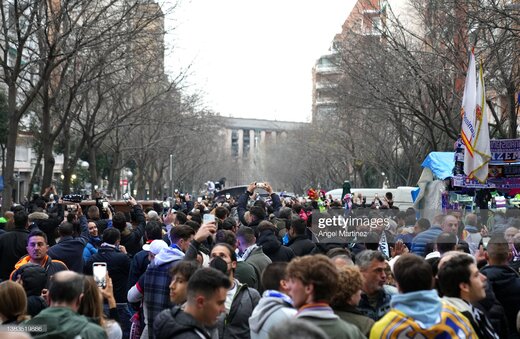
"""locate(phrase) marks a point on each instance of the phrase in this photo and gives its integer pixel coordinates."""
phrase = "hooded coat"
(322, 316)
(63, 323)
(273, 248)
(156, 281)
(424, 314)
(273, 308)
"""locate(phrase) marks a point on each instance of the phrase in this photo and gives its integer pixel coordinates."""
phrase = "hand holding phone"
(207, 218)
(99, 270)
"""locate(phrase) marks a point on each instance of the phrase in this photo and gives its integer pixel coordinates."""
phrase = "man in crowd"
(427, 237)
(275, 306)
(61, 319)
(418, 311)
(257, 211)
(244, 272)
(251, 252)
(131, 239)
(37, 254)
(471, 233)
(13, 244)
(299, 242)
(240, 299)
(462, 284)
(45, 221)
(70, 248)
(153, 231)
(118, 263)
(504, 280)
(312, 281)
(206, 296)
(118, 266)
(376, 295)
(157, 278)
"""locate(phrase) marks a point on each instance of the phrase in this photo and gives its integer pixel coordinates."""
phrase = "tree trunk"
(12, 136)
(513, 124)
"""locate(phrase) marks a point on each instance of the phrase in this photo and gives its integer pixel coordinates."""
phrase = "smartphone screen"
(99, 270)
(485, 241)
(208, 218)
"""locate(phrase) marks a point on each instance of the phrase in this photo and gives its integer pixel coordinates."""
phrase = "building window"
(246, 143)
(234, 143)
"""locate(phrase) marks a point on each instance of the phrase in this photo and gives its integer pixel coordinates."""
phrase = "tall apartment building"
(365, 19)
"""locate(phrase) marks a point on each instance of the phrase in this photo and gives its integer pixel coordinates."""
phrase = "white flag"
(475, 129)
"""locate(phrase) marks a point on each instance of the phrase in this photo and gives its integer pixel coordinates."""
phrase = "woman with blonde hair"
(13, 303)
(92, 306)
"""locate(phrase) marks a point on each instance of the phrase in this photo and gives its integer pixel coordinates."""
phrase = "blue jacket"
(70, 249)
(422, 239)
(88, 251)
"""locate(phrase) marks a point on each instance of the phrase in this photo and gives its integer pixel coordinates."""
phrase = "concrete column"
(251, 141)
(227, 140)
(240, 142)
(262, 137)
(273, 136)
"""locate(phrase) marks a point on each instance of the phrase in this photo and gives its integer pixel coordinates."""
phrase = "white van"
(402, 195)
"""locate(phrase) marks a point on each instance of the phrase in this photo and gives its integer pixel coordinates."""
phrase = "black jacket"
(273, 248)
(276, 204)
(235, 325)
(35, 304)
(132, 239)
(118, 266)
(137, 267)
(70, 250)
(12, 247)
(494, 312)
(175, 323)
(506, 285)
(301, 245)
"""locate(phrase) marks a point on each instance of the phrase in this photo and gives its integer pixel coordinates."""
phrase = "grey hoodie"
(167, 255)
(273, 308)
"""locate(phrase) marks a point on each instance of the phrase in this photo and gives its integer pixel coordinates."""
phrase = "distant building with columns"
(245, 144)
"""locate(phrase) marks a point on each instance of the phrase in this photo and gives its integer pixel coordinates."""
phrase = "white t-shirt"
(230, 295)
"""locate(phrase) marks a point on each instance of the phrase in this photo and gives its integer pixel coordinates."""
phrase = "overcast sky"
(251, 58)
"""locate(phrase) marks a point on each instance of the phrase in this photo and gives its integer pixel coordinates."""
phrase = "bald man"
(60, 319)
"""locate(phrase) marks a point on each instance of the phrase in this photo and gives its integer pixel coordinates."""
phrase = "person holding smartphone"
(258, 211)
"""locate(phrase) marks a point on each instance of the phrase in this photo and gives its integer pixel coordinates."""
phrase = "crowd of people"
(255, 267)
